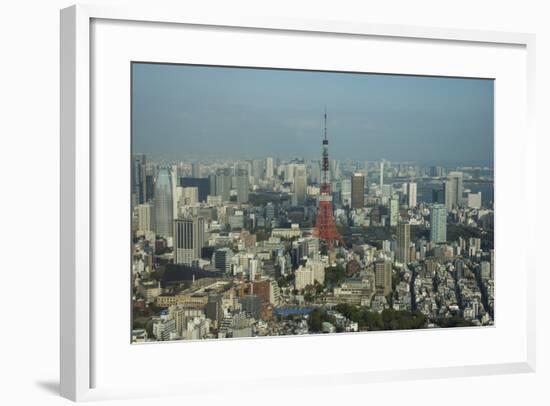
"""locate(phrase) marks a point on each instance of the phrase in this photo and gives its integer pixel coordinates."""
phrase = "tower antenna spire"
(325, 122)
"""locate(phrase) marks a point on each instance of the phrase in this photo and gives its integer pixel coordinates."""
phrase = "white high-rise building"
(269, 168)
(411, 194)
(381, 173)
(289, 172)
(309, 273)
(303, 277)
(300, 184)
(474, 200)
(253, 268)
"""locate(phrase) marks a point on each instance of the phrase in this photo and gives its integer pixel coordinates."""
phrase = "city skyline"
(245, 247)
(204, 112)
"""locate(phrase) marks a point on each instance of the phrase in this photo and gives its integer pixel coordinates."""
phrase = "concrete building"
(474, 200)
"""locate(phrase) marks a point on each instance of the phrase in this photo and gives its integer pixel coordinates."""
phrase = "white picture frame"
(77, 282)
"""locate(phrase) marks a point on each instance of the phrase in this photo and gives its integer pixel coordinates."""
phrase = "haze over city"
(185, 111)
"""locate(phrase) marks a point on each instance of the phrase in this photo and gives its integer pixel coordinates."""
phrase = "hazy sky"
(182, 111)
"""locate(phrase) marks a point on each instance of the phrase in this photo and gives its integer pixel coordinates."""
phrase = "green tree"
(315, 320)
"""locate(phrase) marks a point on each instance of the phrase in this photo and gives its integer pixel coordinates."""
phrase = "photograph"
(275, 202)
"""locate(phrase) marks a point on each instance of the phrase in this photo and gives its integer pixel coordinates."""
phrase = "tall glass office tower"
(163, 204)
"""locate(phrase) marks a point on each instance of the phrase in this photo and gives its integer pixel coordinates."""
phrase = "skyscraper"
(257, 170)
(289, 172)
(189, 238)
(174, 182)
(357, 191)
(438, 224)
(334, 170)
(345, 191)
(138, 179)
(196, 170)
(394, 211)
(453, 190)
(300, 184)
(223, 183)
(150, 182)
(403, 242)
(383, 276)
(269, 168)
(411, 194)
(164, 210)
(381, 173)
(241, 178)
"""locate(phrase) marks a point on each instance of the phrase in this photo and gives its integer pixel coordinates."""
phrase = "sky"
(205, 112)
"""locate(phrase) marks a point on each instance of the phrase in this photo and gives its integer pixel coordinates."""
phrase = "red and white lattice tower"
(326, 228)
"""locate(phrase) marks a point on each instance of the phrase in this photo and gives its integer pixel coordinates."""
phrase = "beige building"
(383, 276)
(193, 300)
(144, 218)
(403, 242)
(309, 273)
(293, 231)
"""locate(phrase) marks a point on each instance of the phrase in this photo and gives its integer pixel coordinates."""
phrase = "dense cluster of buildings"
(229, 248)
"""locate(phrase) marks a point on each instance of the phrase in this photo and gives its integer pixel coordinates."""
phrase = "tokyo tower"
(325, 229)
